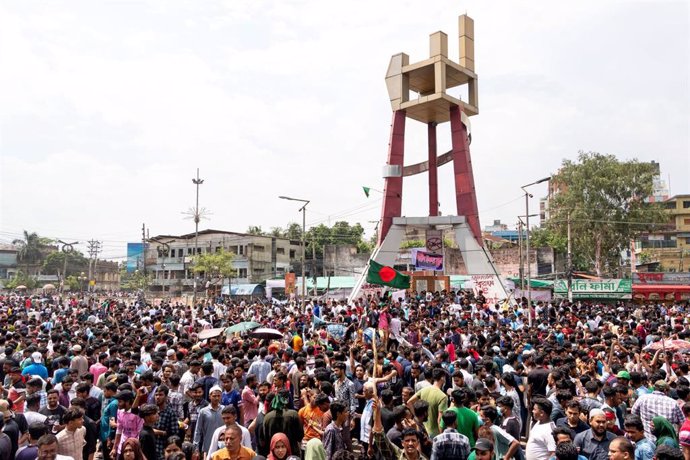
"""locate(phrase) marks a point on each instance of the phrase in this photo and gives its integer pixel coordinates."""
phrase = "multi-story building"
(8, 260)
(670, 246)
(168, 259)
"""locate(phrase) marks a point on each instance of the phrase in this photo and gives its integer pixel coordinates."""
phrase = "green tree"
(255, 230)
(72, 283)
(277, 232)
(214, 264)
(21, 279)
(129, 281)
(340, 233)
(31, 249)
(605, 200)
(55, 263)
(293, 231)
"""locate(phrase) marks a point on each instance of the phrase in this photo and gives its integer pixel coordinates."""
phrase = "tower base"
(478, 260)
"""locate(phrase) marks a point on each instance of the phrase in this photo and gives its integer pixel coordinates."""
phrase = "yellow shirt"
(243, 454)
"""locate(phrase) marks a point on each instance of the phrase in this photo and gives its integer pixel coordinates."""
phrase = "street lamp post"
(82, 277)
(303, 210)
(529, 270)
(197, 217)
(521, 257)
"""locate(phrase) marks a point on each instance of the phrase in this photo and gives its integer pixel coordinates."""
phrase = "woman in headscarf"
(280, 447)
(131, 450)
(664, 432)
(314, 450)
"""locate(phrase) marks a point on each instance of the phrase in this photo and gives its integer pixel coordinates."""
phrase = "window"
(172, 253)
(280, 251)
(189, 251)
(686, 221)
(292, 253)
(258, 270)
(241, 272)
(670, 205)
(218, 248)
(240, 250)
(686, 204)
(258, 248)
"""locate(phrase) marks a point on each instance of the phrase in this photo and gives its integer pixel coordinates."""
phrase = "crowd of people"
(432, 376)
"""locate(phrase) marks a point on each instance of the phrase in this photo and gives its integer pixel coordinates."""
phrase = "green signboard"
(595, 289)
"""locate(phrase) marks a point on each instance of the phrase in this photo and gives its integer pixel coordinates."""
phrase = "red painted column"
(433, 171)
(465, 194)
(392, 191)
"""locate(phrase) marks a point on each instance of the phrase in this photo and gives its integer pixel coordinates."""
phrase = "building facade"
(8, 260)
(671, 245)
(168, 259)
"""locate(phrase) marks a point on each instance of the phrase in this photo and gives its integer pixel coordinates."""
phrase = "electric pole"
(94, 249)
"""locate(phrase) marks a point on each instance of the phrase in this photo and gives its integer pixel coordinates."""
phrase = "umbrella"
(266, 333)
(669, 345)
(242, 327)
(20, 287)
(49, 287)
(210, 333)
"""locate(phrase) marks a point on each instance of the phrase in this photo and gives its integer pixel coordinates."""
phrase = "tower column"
(433, 170)
(465, 194)
(392, 191)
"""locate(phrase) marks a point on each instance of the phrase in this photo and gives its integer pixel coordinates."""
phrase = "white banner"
(490, 285)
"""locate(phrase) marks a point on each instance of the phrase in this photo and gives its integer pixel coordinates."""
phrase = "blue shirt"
(644, 449)
(36, 369)
(110, 411)
(59, 375)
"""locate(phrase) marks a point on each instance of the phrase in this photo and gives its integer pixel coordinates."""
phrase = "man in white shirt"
(189, 377)
(541, 444)
(229, 415)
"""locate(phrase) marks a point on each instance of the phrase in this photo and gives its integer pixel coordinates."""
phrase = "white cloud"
(106, 111)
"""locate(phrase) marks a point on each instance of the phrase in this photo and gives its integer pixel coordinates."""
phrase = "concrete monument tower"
(428, 82)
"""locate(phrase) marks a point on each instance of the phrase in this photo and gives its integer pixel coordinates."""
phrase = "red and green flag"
(386, 276)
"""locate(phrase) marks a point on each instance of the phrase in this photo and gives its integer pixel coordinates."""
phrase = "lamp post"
(303, 210)
(529, 270)
(521, 257)
(82, 277)
(197, 217)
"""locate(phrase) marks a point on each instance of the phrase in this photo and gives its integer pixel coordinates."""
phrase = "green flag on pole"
(366, 191)
(386, 276)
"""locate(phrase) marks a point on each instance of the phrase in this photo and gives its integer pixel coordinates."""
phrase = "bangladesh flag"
(386, 276)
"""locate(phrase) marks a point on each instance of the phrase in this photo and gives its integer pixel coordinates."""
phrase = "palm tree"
(30, 249)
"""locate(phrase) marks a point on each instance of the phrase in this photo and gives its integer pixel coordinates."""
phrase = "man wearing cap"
(129, 424)
(209, 420)
(147, 435)
(657, 404)
(594, 443)
(17, 389)
(79, 361)
(36, 367)
(483, 450)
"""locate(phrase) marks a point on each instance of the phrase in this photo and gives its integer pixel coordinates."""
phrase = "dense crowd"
(434, 376)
